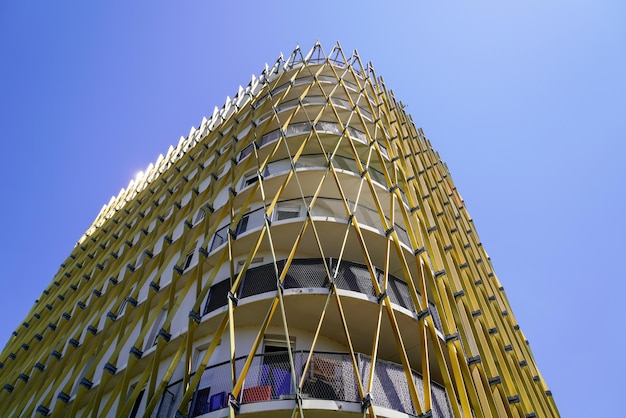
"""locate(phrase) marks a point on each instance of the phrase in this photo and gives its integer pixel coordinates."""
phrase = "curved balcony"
(315, 162)
(328, 384)
(331, 209)
(300, 128)
(326, 82)
(309, 273)
(312, 100)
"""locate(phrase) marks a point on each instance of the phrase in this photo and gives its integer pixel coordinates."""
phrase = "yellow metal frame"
(83, 320)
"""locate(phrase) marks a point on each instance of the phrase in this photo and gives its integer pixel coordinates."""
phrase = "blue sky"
(525, 102)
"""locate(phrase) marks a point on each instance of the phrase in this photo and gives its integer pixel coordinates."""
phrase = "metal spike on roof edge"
(174, 153)
(276, 65)
(315, 47)
(292, 60)
(336, 55)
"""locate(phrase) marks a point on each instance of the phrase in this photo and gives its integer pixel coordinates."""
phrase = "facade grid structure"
(303, 251)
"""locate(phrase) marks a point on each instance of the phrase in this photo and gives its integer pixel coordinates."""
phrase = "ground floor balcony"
(328, 384)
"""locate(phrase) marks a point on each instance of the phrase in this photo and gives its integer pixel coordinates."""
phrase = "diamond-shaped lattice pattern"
(311, 177)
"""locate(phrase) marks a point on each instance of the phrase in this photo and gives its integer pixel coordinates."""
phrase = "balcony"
(331, 209)
(310, 273)
(328, 384)
(319, 162)
(304, 128)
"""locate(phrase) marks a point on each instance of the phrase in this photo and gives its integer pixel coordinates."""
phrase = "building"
(303, 251)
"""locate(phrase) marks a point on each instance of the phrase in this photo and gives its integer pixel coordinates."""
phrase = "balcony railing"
(301, 128)
(329, 376)
(311, 273)
(316, 162)
(333, 208)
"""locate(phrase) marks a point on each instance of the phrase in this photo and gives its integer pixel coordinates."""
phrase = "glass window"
(287, 212)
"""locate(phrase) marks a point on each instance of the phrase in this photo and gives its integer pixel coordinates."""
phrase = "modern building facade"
(303, 252)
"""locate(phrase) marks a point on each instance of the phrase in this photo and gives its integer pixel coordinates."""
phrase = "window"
(287, 212)
(276, 370)
(221, 236)
(274, 343)
(122, 308)
(383, 150)
(269, 137)
(246, 151)
(242, 226)
(199, 216)
(249, 179)
(153, 338)
(133, 412)
(218, 296)
(188, 260)
(201, 402)
(253, 262)
(167, 404)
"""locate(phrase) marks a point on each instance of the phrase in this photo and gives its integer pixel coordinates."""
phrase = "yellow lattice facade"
(304, 251)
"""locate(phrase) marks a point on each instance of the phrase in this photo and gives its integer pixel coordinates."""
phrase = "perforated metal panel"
(258, 280)
(352, 276)
(306, 273)
(218, 296)
(310, 273)
(330, 376)
(398, 292)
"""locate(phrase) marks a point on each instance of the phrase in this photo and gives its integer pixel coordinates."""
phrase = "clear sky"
(525, 101)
